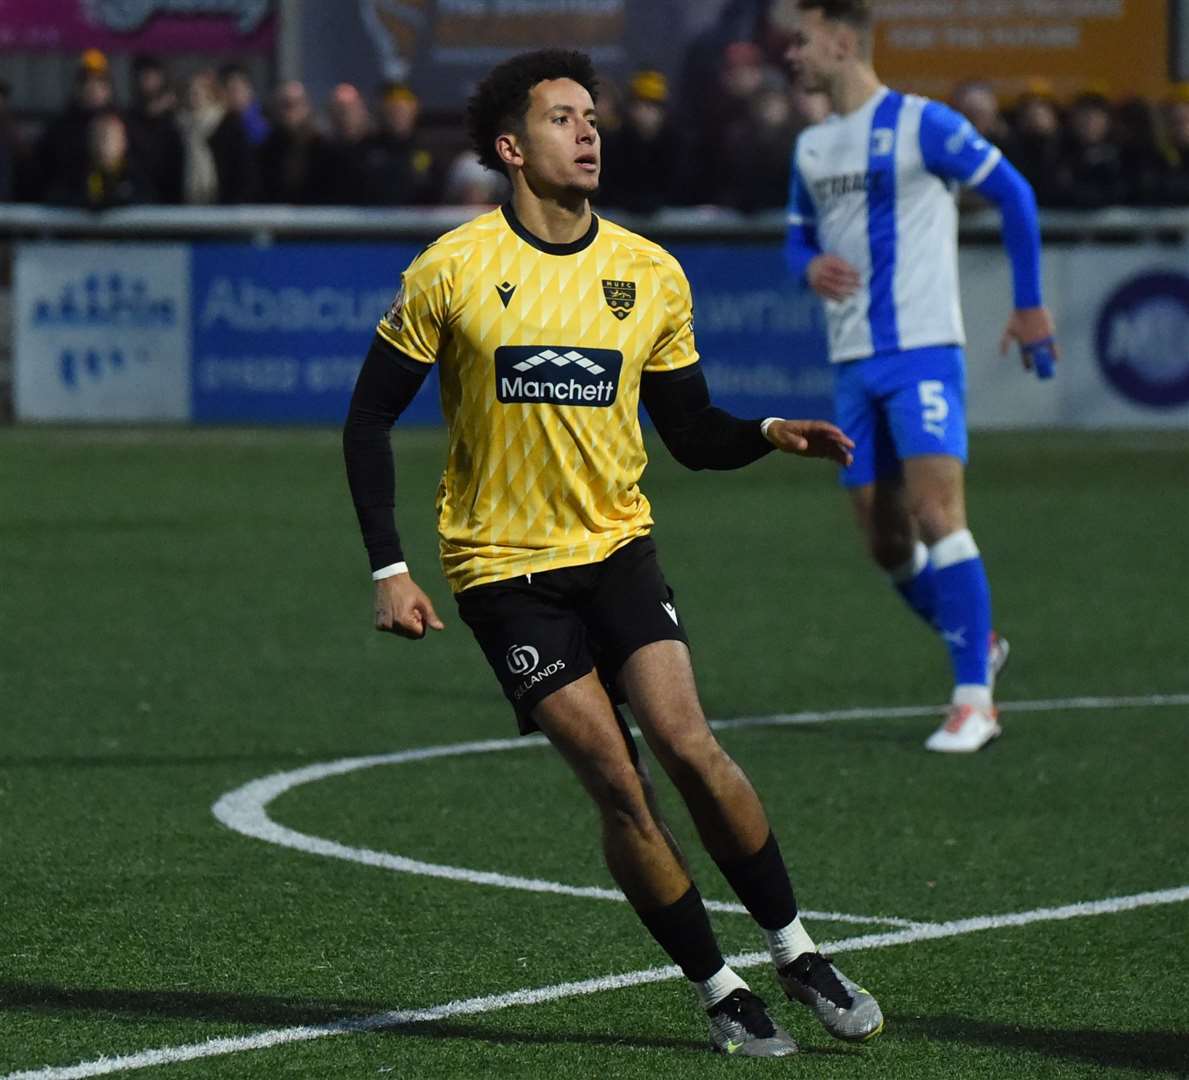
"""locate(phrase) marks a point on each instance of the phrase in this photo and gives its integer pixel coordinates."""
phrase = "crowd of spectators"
(212, 141)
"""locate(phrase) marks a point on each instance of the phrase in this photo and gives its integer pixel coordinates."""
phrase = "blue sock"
(963, 606)
(916, 582)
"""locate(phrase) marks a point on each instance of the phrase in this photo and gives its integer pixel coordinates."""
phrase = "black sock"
(683, 930)
(762, 884)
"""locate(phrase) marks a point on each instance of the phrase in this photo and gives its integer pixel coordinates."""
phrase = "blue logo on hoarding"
(103, 305)
(1143, 340)
(105, 300)
(93, 364)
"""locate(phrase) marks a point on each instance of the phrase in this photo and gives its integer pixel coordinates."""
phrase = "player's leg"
(881, 510)
(580, 722)
(937, 497)
(875, 484)
(643, 649)
(658, 681)
(538, 647)
(927, 414)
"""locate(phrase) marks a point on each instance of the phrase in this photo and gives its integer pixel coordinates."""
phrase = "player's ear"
(844, 43)
(507, 146)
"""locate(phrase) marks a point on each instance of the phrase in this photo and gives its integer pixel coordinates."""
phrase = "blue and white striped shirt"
(878, 187)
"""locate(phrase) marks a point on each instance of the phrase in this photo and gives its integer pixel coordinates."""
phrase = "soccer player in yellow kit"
(549, 326)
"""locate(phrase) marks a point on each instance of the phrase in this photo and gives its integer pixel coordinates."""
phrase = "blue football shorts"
(901, 405)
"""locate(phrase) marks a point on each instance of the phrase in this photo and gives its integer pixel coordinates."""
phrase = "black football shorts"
(543, 631)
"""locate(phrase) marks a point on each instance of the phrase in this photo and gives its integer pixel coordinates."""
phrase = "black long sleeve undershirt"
(387, 382)
(699, 435)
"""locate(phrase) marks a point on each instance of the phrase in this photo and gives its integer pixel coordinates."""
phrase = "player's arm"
(828, 275)
(1030, 325)
(387, 382)
(702, 436)
(954, 150)
(698, 434)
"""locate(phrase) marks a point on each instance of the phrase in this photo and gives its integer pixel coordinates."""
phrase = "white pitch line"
(244, 810)
(904, 712)
(538, 995)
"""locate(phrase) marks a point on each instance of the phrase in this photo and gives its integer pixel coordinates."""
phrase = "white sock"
(718, 986)
(978, 697)
(917, 562)
(788, 943)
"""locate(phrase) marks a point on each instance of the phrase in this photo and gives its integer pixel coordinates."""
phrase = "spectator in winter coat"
(642, 157)
(219, 163)
(156, 141)
(398, 169)
(64, 151)
(110, 177)
(291, 157)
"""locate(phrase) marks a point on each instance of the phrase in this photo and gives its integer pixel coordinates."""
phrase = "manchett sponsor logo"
(557, 374)
(1141, 340)
(125, 16)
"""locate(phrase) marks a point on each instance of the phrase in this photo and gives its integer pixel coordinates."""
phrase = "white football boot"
(997, 657)
(966, 729)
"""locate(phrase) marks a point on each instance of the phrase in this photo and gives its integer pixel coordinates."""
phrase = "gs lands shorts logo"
(522, 659)
(1141, 340)
(525, 660)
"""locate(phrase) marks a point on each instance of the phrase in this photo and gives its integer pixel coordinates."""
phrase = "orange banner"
(1117, 47)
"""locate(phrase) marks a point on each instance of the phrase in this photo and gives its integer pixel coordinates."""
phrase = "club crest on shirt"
(620, 297)
(883, 142)
(393, 316)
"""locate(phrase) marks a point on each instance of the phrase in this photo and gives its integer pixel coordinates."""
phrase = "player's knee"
(891, 551)
(691, 756)
(619, 795)
(938, 516)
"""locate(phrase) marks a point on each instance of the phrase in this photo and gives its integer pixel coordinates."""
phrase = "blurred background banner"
(762, 338)
(158, 26)
(1111, 46)
(235, 333)
(102, 332)
(280, 333)
(443, 47)
(1123, 321)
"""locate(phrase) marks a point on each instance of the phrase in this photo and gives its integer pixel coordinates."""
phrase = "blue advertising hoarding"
(276, 334)
(116, 332)
(280, 332)
(761, 335)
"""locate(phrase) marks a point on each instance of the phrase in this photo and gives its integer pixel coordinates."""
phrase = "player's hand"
(811, 438)
(1031, 328)
(403, 609)
(832, 277)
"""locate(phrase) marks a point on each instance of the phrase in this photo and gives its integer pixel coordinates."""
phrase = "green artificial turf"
(186, 611)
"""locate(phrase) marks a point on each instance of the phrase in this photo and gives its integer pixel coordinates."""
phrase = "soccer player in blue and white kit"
(873, 229)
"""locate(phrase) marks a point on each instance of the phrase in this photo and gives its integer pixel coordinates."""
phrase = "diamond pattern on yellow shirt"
(540, 393)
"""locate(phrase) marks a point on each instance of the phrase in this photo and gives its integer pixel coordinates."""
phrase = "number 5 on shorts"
(934, 407)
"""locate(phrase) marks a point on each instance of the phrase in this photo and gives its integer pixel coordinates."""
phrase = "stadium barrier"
(262, 314)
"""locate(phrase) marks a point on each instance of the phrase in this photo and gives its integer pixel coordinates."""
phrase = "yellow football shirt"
(540, 349)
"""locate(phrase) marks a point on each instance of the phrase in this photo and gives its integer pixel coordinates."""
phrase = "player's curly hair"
(855, 12)
(500, 102)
